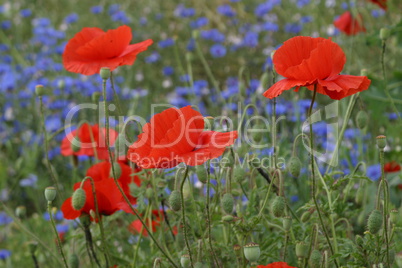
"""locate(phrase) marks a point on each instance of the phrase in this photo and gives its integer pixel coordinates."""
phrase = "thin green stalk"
(118, 184)
(48, 165)
(139, 239)
(183, 215)
(49, 210)
(385, 209)
(267, 195)
(313, 174)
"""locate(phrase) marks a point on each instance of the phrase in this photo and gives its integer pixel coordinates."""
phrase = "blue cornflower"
(25, 13)
(42, 22)
(345, 5)
(191, 44)
(5, 219)
(293, 28)
(120, 16)
(351, 133)
(53, 123)
(96, 9)
(62, 228)
(143, 21)
(154, 57)
(377, 13)
(306, 19)
(168, 42)
(294, 198)
(270, 26)
(4, 254)
(184, 78)
(3, 47)
(198, 23)
(29, 181)
(217, 51)
(226, 10)
(302, 3)
(250, 39)
(374, 172)
(5, 24)
(71, 18)
(213, 35)
(182, 11)
(168, 70)
(113, 9)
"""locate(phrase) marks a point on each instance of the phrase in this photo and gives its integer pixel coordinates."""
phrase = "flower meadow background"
(216, 56)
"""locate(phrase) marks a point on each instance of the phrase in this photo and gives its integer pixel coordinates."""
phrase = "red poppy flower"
(306, 61)
(177, 135)
(157, 218)
(92, 48)
(392, 166)
(89, 137)
(348, 24)
(276, 265)
(108, 195)
(380, 3)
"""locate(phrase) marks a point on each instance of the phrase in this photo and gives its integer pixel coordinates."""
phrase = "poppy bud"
(374, 222)
(76, 144)
(186, 191)
(305, 216)
(394, 216)
(278, 206)
(287, 223)
(385, 33)
(175, 200)
(21, 211)
(294, 166)
(149, 193)
(227, 218)
(185, 260)
(117, 170)
(105, 73)
(227, 203)
(361, 119)
(252, 252)
(78, 199)
(359, 240)
(95, 97)
(50, 193)
(73, 261)
(315, 259)
(40, 90)
(302, 250)
(201, 174)
(381, 142)
(239, 174)
(32, 246)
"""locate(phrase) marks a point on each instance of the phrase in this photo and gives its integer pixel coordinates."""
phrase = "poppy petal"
(344, 85)
(285, 84)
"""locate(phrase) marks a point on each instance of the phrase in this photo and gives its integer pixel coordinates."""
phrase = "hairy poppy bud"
(361, 119)
(227, 203)
(385, 33)
(40, 90)
(239, 174)
(374, 221)
(305, 216)
(227, 218)
(185, 260)
(201, 173)
(50, 193)
(294, 166)
(315, 259)
(78, 199)
(21, 211)
(252, 252)
(381, 141)
(117, 170)
(76, 144)
(278, 206)
(302, 250)
(287, 223)
(149, 192)
(175, 200)
(105, 73)
(394, 216)
(74, 261)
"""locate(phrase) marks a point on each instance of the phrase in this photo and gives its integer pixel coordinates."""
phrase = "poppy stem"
(183, 213)
(118, 184)
(314, 179)
(384, 185)
(49, 210)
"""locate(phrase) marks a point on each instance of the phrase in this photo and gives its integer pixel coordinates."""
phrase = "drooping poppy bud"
(175, 200)
(278, 206)
(227, 203)
(78, 199)
(374, 221)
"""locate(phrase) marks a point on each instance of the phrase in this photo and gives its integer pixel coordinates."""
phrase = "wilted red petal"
(348, 24)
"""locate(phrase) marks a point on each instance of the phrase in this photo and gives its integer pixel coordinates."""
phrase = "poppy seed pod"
(78, 199)
(374, 221)
(201, 174)
(361, 119)
(185, 260)
(294, 166)
(175, 200)
(105, 73)
(40, 90)
(381, 141)
(302, 250)
(227, 203)
(385, 33)
(278, 206)
(117, 170)
(252, 252)
(50, 193)
(315, 259)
